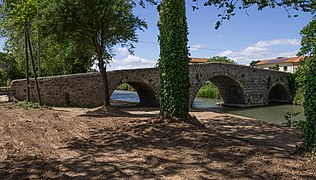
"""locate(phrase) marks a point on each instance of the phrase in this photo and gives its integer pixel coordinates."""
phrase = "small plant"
(289, 119)
(29, 105)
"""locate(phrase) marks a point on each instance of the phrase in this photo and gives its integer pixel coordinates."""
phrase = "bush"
(299, 97)
(209, 90)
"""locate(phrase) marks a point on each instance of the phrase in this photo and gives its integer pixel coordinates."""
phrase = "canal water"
(272, 113)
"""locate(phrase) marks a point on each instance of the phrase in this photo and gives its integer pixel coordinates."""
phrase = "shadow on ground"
(229, 148)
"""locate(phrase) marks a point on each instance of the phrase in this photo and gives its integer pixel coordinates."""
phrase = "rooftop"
(199, 60)
(281, 60)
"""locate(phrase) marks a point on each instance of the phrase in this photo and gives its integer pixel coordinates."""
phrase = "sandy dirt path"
(132, 143)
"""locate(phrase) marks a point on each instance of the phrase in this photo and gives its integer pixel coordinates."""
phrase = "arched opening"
(134, 94)
(279, 94)
(230, 92)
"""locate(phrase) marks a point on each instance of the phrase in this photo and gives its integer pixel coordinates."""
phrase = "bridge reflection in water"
(272, 113)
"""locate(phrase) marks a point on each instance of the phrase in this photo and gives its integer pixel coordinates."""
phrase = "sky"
(249, 35)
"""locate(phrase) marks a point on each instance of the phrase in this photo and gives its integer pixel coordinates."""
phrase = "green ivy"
(174, 62)
(292, 84)
(309, 49)
(310, 105)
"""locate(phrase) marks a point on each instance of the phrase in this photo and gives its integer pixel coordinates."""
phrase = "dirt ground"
(132, 143)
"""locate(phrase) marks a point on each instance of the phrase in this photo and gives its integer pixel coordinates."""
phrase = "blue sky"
(251, 35)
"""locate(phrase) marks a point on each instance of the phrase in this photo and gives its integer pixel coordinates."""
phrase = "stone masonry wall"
(239, 85)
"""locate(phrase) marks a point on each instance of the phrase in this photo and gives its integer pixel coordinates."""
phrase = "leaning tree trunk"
(173, 61)
(104, 78)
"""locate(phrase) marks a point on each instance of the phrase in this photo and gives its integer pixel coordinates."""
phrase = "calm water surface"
(272, 113)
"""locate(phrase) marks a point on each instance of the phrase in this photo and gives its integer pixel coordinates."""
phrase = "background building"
(281, 64)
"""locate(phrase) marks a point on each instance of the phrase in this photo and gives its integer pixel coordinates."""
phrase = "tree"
(57, 58)
(229, 7)
(276, 67)
(308, 76)
(308, 48)
(64, 58)
(222, 59)
(253, 63)
(173, 62)
(97, 25)
(173, 45)
(8, 69)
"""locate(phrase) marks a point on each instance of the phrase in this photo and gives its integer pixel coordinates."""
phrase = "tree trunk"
(173, 60)
(104, 79)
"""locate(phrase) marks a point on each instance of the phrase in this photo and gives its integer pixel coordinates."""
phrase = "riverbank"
(82, 143)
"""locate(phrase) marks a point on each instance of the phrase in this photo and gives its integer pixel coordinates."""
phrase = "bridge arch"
(146, 94)
(231, 90)
(279, 93)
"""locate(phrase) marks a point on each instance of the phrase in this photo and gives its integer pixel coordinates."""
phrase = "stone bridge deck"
(239, 85)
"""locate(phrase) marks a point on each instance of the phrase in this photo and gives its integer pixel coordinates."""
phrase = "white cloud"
(123, 51)
(226, 53)
(195, 47)
(260, 51)
(288, 54)
(291, 42)
(124, 60)
(131, 62)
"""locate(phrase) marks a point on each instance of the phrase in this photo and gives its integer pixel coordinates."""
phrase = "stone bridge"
(239, 86)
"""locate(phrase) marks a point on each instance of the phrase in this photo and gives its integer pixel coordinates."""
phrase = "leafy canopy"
(222, 59)
(229, 6)
(56, 58)
(93, 24)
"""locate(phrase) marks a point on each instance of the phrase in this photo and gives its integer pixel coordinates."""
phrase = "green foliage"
(299, 97)
(98, 26)
(276, 67)
(229, 7)
(253, 63)
(173, 62)
(289, 119)
(8, 69)
(300, 77)
(292, 83)
(56, 58)
(64, 58)
(309, 80)
(222, 59)
(125, 87)
(209, 90)
(29, 105)
(95, 26)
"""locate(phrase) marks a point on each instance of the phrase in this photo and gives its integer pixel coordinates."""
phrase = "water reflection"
(272, 113)
(127, 96)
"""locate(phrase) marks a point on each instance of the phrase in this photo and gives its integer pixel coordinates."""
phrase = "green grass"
(29, 105)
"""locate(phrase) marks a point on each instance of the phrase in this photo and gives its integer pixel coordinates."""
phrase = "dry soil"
(132, 143)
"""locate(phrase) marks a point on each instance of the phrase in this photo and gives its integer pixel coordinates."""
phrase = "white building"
(284, 64)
